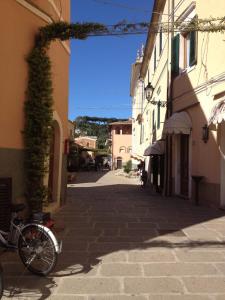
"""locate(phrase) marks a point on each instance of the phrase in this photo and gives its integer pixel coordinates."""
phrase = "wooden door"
(119, 163)
(184, 164)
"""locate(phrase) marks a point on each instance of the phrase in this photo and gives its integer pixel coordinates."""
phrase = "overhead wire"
(121, 5)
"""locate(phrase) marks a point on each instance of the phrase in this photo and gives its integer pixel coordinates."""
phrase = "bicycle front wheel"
(37, 250)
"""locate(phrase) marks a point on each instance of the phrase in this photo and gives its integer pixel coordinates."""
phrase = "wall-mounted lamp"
(149, 89)
(205, 133)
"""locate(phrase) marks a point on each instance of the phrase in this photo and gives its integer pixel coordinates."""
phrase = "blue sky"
(100, 66)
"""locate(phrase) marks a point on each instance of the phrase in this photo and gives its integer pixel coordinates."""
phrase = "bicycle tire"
(36, 250)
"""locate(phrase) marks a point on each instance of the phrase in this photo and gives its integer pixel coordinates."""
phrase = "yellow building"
(185, 67)
(19, 23)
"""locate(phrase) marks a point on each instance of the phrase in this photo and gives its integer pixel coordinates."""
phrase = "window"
(129, 149)
(122, 149)
(189, 49)
(184, 51)
(155, 58)
(160, 41)
(175, 55)
(88, 144)
(117, 130)
(158, 119)
(153, 120)
(142, 133)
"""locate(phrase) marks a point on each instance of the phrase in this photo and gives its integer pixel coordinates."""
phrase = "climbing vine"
(39, 103)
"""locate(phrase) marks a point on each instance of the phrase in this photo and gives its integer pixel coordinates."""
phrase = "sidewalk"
(121, 243)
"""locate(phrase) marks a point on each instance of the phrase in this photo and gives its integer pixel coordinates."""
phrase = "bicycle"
(37, 246)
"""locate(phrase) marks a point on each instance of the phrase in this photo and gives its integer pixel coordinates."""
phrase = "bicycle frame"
(11, 237)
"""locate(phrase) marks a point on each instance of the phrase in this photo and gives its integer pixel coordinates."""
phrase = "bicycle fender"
(57, 245)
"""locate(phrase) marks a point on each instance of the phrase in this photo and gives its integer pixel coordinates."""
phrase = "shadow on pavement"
(102, 223)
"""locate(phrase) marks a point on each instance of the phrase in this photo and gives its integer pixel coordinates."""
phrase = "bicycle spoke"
(48, 261)
(29, 261)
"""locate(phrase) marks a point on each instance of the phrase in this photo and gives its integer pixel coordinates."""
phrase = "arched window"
(122, 149)
(117, 130)
(129, 149)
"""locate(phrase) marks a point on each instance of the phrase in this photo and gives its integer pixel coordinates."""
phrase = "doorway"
(54, 165)
(119, 163)
(184, 165)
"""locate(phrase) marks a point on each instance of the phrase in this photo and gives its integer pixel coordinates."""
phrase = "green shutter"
(193, 48)
(175, 55)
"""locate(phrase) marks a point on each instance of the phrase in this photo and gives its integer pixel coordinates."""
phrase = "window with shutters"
(175, 56)
(155, 58)
(160, 41)
(189, 48)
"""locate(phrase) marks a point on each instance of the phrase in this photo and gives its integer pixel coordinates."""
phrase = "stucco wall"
(19, 25)
(11, 162)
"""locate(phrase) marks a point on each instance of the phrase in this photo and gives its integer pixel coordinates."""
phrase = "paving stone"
(89, 286)
(109, 225)
(30, 286)
(121, 239)
(150, 256)
(118, 297)
(119, 256)
(220, 297)
(142, 225)
(205, 284)
(179, 297)
(152, 285)
(65, 297)
(178, 269)
(221, 267)
(108, 247)
(200, 256)
(124, 269)
(84, 232)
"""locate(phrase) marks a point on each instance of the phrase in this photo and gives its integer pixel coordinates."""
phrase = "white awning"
(137, 157)
(218, 113)
(157, 148)
(178, 123)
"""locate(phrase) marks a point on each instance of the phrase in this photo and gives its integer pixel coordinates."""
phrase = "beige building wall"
(195, 90)
(121, 143)
(20, 21)
(85, 141)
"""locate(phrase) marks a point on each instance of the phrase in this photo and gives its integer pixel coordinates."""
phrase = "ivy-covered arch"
(38, 106)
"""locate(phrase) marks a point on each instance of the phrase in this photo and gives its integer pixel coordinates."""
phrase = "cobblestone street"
(120, 242)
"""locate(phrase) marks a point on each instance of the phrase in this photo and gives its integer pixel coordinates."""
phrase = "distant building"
(121, 140)
(89, 142)
(71, 130)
